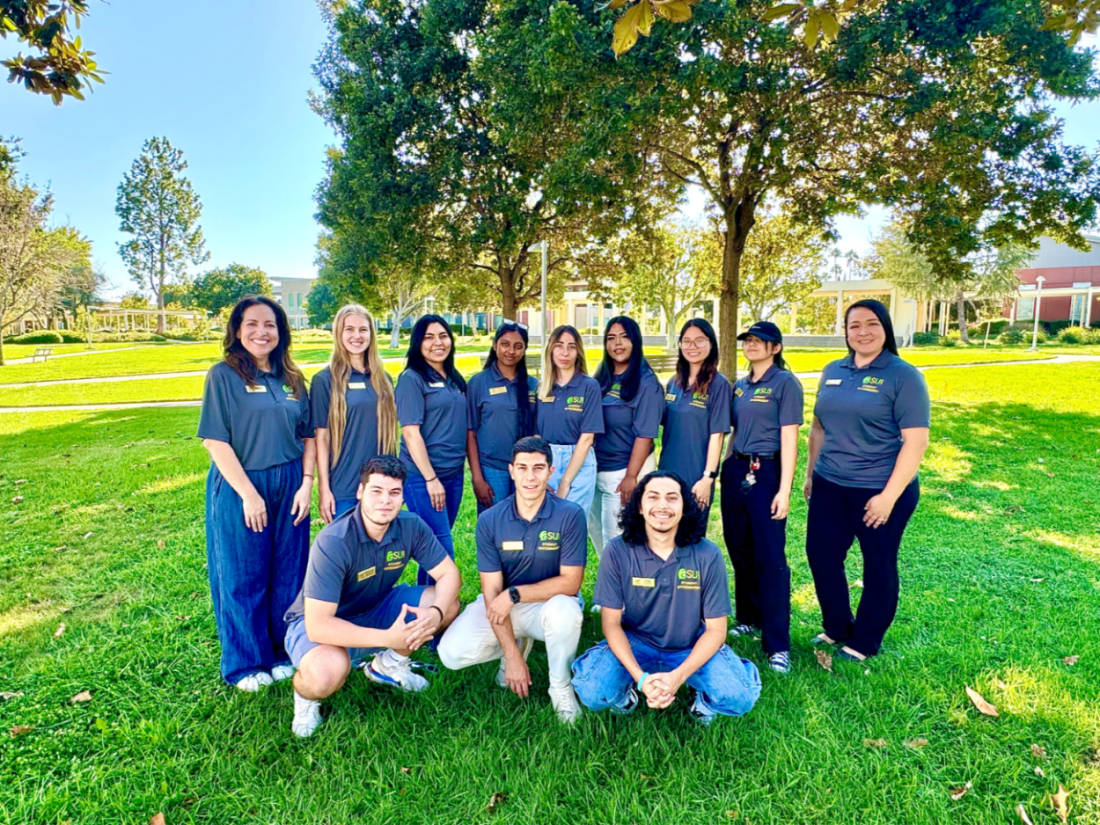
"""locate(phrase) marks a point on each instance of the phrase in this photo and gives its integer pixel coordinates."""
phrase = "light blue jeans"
(501, 483)
(583, 488)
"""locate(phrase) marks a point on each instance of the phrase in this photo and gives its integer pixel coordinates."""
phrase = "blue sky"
(227, 83)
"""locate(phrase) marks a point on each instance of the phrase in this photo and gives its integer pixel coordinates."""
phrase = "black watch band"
(712, 474)
(514, 595)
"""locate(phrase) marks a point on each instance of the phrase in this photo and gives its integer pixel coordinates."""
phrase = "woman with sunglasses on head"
(697, 412)
(255, 423)
(633, 402)
(354, 411)
(869, 436)
(431, 408)
(757, 477)
(568, 415)
(500, 404)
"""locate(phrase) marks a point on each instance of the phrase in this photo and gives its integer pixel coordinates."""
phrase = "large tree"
(157, 205)
(223, 287)
(781, 265)
(942, 110)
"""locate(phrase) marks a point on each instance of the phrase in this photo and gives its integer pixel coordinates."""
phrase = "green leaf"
(829, 25)
(782, 10)
(813, 30)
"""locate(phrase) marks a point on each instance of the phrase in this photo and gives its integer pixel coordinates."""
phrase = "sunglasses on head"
(515, 324)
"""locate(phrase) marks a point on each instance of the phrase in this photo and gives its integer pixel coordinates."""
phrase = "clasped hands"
(660, 688)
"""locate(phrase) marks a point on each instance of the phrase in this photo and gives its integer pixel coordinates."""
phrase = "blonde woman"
(353, 409)
(569, 415)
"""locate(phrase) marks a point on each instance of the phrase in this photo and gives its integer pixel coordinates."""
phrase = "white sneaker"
(525, 646)
(280, 673)
(396, 676)
(595, 609)
(253, 682)
(307, 716)
(565, 703)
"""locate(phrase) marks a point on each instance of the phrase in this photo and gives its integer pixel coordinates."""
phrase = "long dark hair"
(692, 527)
(414, 358)
(883, 315)
(605, 372)
(241, 360)
(708, 369)
(523, 391)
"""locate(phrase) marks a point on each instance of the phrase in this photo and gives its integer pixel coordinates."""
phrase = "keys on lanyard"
(750, 476)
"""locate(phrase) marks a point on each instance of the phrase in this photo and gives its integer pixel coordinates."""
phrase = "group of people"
(553, 462)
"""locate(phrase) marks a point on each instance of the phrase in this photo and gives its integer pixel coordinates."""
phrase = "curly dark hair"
(693, 525)
(384, 465)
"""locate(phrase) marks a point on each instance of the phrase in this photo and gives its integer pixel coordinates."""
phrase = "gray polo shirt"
(690, 419)
(573, 409)
(760, 410)
(360, 442)
(438, 406)
(492, 413)
(625, 421)
(528, 552)
(863, 411)
(349, 568)
(665, 603)
(264, 424)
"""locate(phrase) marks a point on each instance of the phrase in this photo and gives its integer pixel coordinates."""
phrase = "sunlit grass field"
(1000, 583)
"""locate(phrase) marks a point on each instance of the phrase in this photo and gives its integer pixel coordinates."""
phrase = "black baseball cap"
(765, 331)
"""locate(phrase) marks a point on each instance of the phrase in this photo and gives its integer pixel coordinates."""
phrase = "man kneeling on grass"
(531, 551)
(351, 605)
(665, 598)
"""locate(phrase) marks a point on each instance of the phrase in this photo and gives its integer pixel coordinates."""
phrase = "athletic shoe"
(525, 646)
(744, 630)
(780, 662)
(595, 609)
(307, 716)
(396, 676)
(565, 703)
(702, 712)
(628, 705)
(281, 673)
(253, 682)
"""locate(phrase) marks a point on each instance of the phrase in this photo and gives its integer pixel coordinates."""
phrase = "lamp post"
(1038, 301)
(544, 246)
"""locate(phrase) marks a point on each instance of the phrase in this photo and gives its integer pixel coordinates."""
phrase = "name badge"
(640, 582)
(738, 391)
(670, 396)
(257, 388)
(497, 390)
(365, 574)
(834, 382)
(357, 385)
(511, 545)
(549, 399)
(438, 384)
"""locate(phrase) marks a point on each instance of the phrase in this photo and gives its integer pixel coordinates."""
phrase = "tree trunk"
(507, 291)
(960, 307)
(1, 346)
(160, 316)
(670, 323)
(739, 221)
(395, 331)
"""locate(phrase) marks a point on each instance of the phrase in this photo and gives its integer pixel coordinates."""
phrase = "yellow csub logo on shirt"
(363, 575)
(511, 545)
(498, 390)
(638, 581)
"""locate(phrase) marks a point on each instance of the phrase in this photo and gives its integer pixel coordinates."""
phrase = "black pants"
(835, 521)
(757, 546)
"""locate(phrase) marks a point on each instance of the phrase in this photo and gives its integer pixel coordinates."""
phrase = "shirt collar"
(393, 529)
(545, 510)
(572, 382)
(768, 375)
(498, 375)
(881, 361)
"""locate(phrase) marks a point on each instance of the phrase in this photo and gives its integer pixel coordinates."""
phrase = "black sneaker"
(629, 705)
(744, 630)
(780, 662)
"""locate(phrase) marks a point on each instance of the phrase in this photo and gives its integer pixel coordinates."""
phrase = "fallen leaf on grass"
(875, 743)
(980, 703)
(88, 535)
(959, 792)
(1036, 581)
(17, 500)
(997, 683)
(1059, 803)
(824, 659)
(919, 742)
(157, 819)
(496, 800)
(1039, 772)
(1039, 751)
(406, 770)
(732, 814)
(5, 696)
(20, 481)
(19, 730)
(57, 634)
(1020, 812)
(1070, 660)
(83, 696)
(160, 544)
(857, 583)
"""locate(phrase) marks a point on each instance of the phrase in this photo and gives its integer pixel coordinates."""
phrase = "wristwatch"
(710, 474)
(513, 594)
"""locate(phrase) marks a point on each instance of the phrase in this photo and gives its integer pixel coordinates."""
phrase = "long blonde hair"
(549, 368)
(340, 366)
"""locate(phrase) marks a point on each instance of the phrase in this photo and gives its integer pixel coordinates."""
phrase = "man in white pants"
(531, 552)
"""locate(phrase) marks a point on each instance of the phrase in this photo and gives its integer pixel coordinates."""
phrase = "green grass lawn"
(12, 351)
(1000, 582)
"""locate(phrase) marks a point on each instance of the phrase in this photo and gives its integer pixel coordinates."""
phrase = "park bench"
(43, 353)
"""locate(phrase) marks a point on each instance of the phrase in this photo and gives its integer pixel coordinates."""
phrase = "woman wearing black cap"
(757, 477)
(869, 435)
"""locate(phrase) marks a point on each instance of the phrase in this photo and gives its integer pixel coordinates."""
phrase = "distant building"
(293, 294)
(1071, 284)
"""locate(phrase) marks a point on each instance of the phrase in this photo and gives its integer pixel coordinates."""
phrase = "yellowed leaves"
(1038, 751)
(157, 819)
(961, 791)
(5, 695)
(1020, 812)
(875, 743)
(675, 11)
(918, 742)
(496, 800)
(824, 659)
(638, 19)
(980, 703)
(1061, 807)
(19, 730)
(83, 696)
(1070, 660)
(57, 634)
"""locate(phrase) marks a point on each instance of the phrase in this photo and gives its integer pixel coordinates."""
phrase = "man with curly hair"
(665, 602)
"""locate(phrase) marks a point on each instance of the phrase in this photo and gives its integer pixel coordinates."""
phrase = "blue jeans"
(254, 577)
(418, 501)
(583, 488)
(343, 505)
(728, 684)
(501, 482)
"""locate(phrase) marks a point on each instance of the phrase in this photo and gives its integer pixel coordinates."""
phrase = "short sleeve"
(820, 386)
(609, 581)
(912, 406)
(647, 415)
(592, 417)
(425, 548)
(305, 417)
(320, 391)
(791, 402)
(664, 409)
(473, 407)
(488, 554)
(410, 399)
(326, 572)
(574, 539)
(215, 417)
(716, 588)
(719, 406)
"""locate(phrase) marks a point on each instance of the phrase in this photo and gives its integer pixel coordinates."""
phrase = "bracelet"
(307, 475)
(437, 610)
(641, 681)
(430, 480)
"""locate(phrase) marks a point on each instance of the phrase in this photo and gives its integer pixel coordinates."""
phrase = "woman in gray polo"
(869, 435)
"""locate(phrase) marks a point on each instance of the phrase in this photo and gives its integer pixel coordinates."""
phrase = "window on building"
(1077, 310)
(299, 300)
(1025, 309)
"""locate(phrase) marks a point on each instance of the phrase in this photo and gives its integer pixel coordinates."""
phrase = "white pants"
(603, 516)
(557, 622)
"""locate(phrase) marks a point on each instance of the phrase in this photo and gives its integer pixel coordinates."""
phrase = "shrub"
(1053, 328)
(1073, 335)
(42, 336)
(1011, 337)
(926, 339)
(948, 341)
(69, 337)
(126, 337)
(1021, 334)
